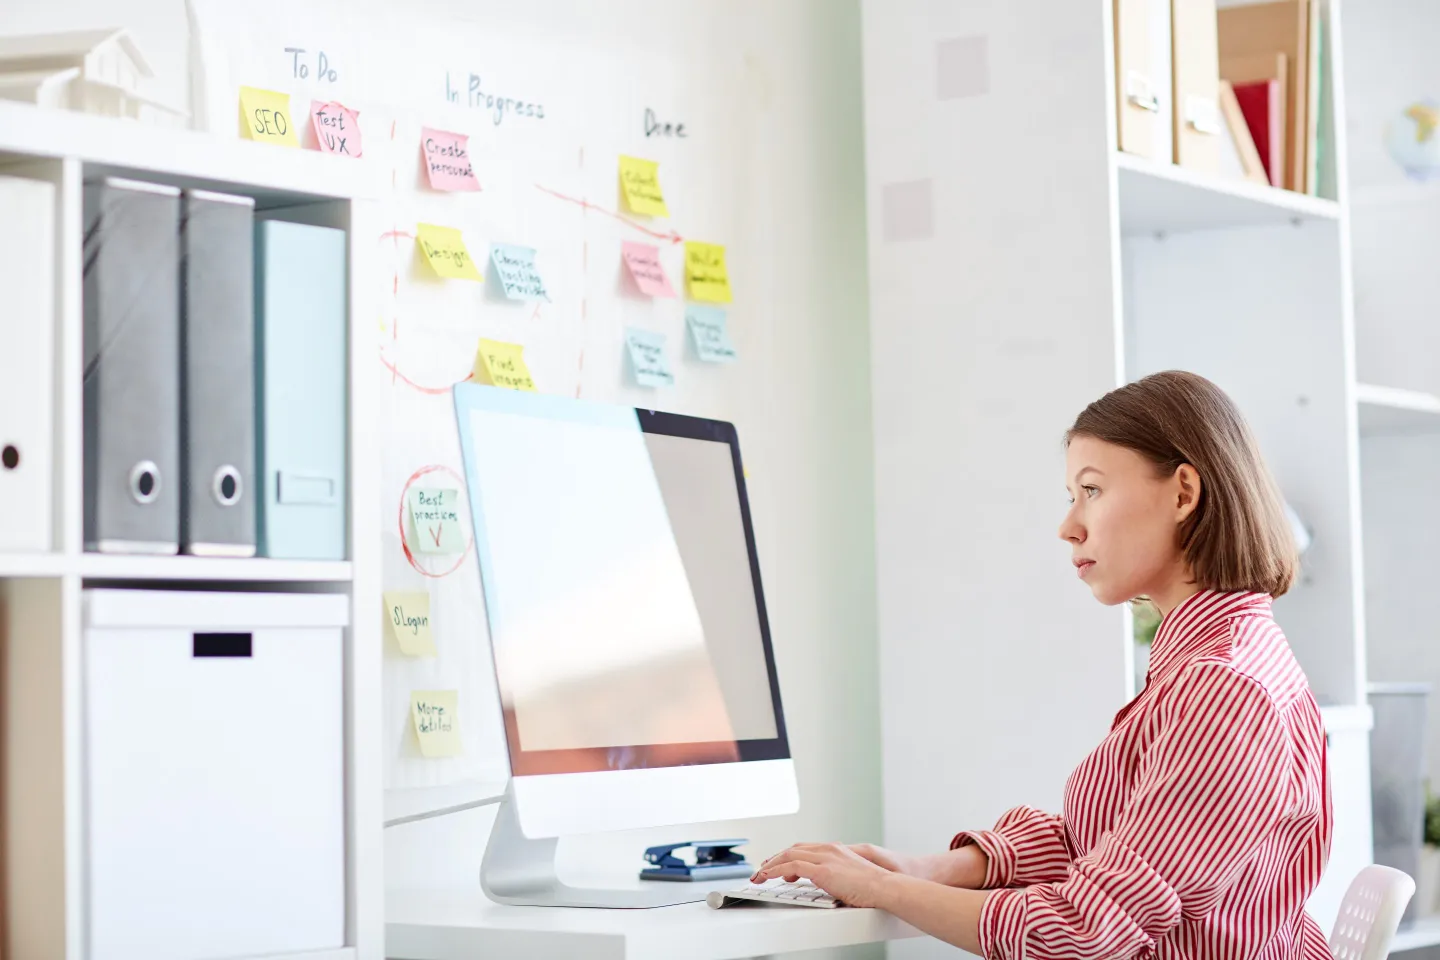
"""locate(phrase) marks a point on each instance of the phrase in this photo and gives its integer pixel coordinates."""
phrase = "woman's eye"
(1090, 491)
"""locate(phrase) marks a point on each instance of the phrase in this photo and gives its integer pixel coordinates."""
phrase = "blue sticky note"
(647, 358)
(518, 273)
(707, 332)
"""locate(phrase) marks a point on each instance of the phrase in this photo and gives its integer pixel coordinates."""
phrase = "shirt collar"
(1190, 629)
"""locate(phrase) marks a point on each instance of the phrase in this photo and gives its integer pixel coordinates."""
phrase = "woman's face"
(1122, 525)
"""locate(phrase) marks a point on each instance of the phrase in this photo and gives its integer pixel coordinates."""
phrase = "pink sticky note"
(644, 263)
(336, 128)
(447, 160)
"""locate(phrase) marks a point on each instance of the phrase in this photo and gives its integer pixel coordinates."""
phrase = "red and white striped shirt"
(1198, 827)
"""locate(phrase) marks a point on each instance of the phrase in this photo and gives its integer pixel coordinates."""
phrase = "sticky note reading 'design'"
(445, 251)
(435, 517)
(409, 617)
(265, 116)
(436, 715)
(336, 128)
(706, 277)
(640, 182)
(644, 263)
(502, 365)
(647, 358)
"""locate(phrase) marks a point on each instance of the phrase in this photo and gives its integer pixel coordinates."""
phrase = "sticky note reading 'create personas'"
(447, 160)
(336, 128)
(705, 275)
(444, 250)
(518, 274)
(708, 333)
(435, 516)
(265, 116)
(647, 358)
(644, 263)
(436, 715)
(409, 617)
(640, 182)
(502, 365)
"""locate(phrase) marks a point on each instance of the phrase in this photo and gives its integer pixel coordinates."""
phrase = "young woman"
(1201, 823)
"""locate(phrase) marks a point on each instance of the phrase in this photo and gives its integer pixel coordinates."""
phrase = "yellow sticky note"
(705, 275)
(503, 365)
(436, 715)
(409, 617)
(444, 248)
(640, 182)
(265, 116)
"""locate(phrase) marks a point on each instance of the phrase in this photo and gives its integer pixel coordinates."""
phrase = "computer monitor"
(627, 626)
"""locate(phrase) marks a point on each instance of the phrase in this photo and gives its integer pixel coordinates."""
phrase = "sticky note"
(518, 273)
(265, 116)
(435, 516)
(647, 358)
(409, 617)
(705, 275)
(436, 715)
(640, 182)
(502, 365)
(708, 333)
(446, 157)
(336, 128)
(444, 249)
(644, 263)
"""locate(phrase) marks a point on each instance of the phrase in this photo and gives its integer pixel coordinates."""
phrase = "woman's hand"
(839, 870)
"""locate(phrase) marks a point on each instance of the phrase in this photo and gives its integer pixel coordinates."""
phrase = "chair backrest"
(1370, 913)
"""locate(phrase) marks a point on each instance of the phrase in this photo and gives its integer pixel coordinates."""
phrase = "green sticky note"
(707, 332)
(435, 520)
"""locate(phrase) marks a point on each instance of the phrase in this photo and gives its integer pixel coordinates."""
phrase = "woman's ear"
(1187, 498)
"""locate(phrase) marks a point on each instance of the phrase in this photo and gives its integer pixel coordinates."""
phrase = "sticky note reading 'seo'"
(502, 365)
(444, 250)
(436, 715)
(708, 333)
(336, 128)
(436, 520)
(447, 160)
(640, 182)
(518, 273)
(705, 275)
(644, 263)
(409, 617)
(647, 358)
(265, 116)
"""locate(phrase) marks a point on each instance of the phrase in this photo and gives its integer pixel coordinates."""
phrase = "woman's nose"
(1071, 530)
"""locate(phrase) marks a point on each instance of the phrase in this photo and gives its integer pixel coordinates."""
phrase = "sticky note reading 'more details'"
(436, 716)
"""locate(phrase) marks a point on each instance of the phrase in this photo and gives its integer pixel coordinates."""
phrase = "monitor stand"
(520, 870)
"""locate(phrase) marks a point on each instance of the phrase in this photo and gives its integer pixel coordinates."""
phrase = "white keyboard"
(802, 894)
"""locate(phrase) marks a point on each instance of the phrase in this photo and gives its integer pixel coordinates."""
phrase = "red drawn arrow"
(669, 235)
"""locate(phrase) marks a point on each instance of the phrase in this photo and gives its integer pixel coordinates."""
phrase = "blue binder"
(301, 354)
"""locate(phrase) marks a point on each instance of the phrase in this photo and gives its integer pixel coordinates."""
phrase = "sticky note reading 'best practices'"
(409, 617)
(265, 116)
(707, 331)
(644, 263)
(444, 250)
(436, 715)
(518, 273)
(640, 182)
(336, 128)
(435, 516)
(447, 160)
(705, 275)
(647, 358)
(502, 365)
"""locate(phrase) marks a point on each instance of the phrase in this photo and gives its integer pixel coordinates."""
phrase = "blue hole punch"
(714, 860)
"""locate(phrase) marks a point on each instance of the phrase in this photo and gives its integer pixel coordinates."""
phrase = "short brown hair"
(1238, 538)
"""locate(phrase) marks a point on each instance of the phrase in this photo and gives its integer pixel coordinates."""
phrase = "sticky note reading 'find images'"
(265, 116)
(336, 128)
(640, 182)
(705, 275)
(436, 715)
(435, 516)
(518, 273)
(707, 331)
(502, 365)
(647, 358)
(644, 263)
(409, 617)
(444, 250)
(447, 160)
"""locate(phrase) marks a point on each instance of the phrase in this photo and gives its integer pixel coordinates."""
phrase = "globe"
(1413, 139)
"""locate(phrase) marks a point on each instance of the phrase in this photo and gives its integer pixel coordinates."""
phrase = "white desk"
(451, 924)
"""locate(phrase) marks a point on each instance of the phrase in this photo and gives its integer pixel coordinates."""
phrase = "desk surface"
(451, 924)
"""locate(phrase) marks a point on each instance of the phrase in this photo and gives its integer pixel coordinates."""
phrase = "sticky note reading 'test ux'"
(518, 273)
(447, 160)
(436, 715)
(265, 116)
(707, 331)
(444, 250)
(644, 263)
(640, 182)
(502, 365)
(336, 128)
(409, 617)
(436, 518)
(705, 275)
(647, 358)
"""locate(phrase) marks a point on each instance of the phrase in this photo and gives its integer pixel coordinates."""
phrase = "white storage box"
(214, 780)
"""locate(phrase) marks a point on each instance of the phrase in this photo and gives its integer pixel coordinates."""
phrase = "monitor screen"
(626, 614)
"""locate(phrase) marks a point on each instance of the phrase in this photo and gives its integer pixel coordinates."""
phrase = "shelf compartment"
(1390, 411)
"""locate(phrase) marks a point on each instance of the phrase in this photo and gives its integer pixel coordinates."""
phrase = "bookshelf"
(1164, 198)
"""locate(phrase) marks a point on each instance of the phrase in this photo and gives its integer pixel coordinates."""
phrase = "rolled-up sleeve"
(1027, 846)
(1209, 792)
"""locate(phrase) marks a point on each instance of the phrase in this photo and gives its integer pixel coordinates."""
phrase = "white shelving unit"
(1164, 198)
(40, 594)
(1389, 411)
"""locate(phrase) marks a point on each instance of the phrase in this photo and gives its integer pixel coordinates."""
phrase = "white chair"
(1370, 913)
